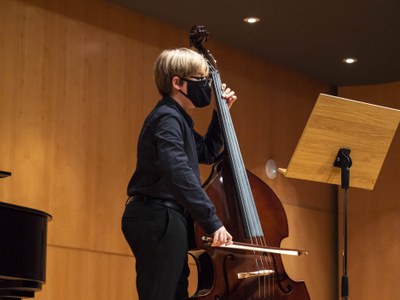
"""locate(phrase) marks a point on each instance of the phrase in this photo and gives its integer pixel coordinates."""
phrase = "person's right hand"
(221, 237)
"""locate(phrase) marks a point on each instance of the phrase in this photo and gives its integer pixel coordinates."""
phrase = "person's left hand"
(229, 95)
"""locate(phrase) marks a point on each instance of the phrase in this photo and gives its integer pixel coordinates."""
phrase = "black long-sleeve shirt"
(168, 157)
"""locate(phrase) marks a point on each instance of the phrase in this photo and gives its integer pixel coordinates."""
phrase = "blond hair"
(181, 62)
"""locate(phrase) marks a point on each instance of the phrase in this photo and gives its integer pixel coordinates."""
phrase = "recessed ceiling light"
(251, 20)
(350, 60)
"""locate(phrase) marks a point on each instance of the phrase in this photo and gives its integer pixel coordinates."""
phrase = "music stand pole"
(344, 162)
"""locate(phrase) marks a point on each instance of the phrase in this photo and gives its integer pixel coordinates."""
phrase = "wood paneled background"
(75, 86)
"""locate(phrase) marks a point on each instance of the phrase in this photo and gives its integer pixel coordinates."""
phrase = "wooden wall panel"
(307, 228)
(76, 85)
(82, 274)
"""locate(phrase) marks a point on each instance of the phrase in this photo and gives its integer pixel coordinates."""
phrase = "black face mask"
(198, 91)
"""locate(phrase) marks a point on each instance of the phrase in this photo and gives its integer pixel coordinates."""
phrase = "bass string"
(251, 218)
(239, 172)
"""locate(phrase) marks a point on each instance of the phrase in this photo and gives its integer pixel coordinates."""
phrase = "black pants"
(157, 236)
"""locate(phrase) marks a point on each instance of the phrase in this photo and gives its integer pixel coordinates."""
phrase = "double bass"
(252, 269)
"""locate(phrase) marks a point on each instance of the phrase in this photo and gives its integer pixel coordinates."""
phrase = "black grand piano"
(23, 233)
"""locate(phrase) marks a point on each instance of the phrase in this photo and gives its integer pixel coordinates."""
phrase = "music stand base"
(345, 287)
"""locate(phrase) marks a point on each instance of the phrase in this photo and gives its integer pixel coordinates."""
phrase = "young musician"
(165, 186)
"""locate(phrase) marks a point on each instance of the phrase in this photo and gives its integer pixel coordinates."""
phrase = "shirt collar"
(172, 103)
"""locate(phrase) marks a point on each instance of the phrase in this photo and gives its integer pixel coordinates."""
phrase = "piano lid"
(4, 174)
(23, 241)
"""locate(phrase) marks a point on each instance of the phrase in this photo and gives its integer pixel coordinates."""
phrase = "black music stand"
(336, 128)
